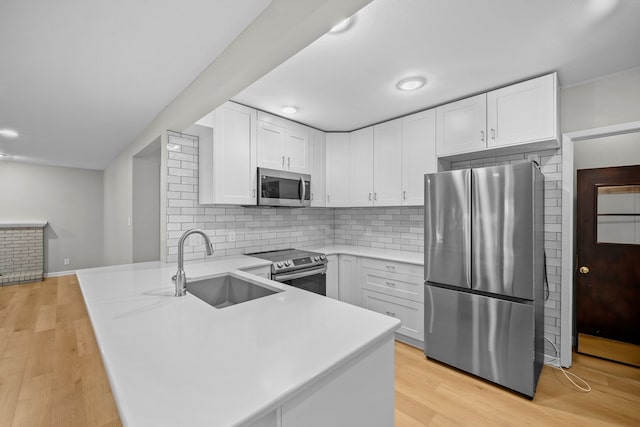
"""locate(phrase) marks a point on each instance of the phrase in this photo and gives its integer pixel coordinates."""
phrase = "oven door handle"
(285, 277)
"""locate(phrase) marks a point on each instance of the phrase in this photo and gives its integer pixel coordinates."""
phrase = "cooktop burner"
(291, 259)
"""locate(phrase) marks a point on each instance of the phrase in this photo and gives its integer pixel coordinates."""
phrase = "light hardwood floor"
(51, 374)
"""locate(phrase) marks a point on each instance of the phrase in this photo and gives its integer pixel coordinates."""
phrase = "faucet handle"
(174, 277)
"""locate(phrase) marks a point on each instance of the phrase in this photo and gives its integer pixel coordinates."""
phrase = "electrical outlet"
(66, 261)
(368, 232)
(232, 236)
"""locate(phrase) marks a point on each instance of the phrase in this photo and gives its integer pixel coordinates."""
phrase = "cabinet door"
(271, 146)
(410, 313)
(317, 154)
(337, 146)
(387, 163)
(333, 276)
(361, 167)
(234, 155)
(350, 289)
(461, 126)
(296, 144)
(523, 113)
(418, 155)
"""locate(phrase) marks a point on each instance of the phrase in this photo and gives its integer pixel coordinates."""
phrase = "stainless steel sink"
(228, 289)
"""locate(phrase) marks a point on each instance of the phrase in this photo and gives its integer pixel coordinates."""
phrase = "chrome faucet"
(180, 278)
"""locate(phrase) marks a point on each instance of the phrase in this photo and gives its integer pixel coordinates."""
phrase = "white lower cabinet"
(358, 393)
(395, 289)
(410, 313)
(349, 288)
(332, 276)
(388, 287)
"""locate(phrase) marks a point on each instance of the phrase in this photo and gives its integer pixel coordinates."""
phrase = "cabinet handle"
(391, 267)
(283, 161)
(391, 284)
(254, 193)
(390, 313)
(288, 162)
(404, 194)
(328, 199)
(369, 196)
(482, 135)
(375, 196)
(493, 134)
(311, 196)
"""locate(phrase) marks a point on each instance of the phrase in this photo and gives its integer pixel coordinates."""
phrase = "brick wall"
(21, 254)
(550, 162)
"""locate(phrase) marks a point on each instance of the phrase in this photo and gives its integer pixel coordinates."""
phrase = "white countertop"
(178, 361)
(416, 258)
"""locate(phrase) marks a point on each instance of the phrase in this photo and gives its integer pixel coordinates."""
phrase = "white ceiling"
(345, 81)
(81, 79)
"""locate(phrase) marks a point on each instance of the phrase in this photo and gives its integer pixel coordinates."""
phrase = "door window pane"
(618, 214)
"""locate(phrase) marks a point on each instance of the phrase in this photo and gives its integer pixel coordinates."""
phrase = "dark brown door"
(608, 263)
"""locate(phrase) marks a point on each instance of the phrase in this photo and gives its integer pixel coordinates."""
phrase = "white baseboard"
(60, 273)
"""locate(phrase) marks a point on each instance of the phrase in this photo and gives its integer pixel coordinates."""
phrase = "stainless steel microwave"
(283, 188)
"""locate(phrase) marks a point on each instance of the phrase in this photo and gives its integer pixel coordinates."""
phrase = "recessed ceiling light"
(9, 133)
(290, 109)
(342, 25)
(411, 83)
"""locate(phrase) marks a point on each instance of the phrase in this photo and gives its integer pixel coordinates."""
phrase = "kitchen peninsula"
(288, 359)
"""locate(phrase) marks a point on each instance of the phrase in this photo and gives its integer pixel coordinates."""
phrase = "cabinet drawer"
(394, 267)
(410, 313)
(399, 285)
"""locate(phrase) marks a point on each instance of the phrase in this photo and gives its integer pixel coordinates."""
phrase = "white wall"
(146, 204)
(282, 30)
(69, 199)
(619, 150)
(605, 101)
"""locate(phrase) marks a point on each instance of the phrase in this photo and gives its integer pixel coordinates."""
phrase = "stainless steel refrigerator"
(484, 266)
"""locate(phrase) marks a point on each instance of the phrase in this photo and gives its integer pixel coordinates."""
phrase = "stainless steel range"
(299, 268)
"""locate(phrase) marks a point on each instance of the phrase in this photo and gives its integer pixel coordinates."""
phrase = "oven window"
(316, 283)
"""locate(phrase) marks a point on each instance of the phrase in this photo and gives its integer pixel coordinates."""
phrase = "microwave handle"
(302, 193)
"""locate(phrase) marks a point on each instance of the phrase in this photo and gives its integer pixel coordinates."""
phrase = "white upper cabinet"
(361, 167)
(523, 116)
(227, 171)
(387, 163)
(282, 144)
(270, 146)
(461, 126)
(317, 151)
(523, 113)
(418, 155)
(337, 169)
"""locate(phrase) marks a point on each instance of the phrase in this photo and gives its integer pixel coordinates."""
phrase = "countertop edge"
(406, 257)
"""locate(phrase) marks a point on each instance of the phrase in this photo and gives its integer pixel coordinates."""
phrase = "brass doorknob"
(584, 270)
